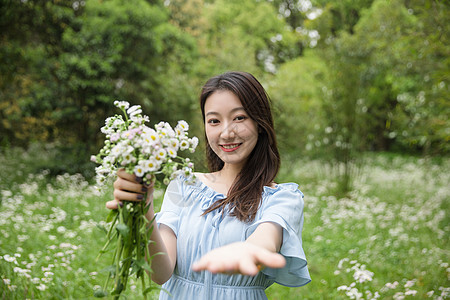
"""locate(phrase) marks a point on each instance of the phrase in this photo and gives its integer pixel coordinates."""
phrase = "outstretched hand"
(242, 257)
(128, 188)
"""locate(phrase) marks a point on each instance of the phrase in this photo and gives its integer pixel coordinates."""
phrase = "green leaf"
(118, 290)
(100, 294)
(123, 229)
(109, 269)
(142, 263)
(102, 228)
(112, 214)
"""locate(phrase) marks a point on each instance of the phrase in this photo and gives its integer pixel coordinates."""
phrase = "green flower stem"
(108, 237)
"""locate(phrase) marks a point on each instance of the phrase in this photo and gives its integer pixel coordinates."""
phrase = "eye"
(240, 118)
(213, 121)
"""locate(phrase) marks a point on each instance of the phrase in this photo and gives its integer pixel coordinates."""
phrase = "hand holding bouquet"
(150, 154)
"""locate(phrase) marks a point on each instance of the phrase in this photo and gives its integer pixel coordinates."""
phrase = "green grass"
(392, 229)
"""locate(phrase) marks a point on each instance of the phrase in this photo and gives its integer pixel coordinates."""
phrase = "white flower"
(174, 143)
(9, 258)
(194, 143)
(399, 296)
(391, 285)
(117, 150)
(160, 155)
(179, 133)
(117, 123)
(122, 104)
(134, 110)
(151, 137)
(183, 125)
(172, 152)
(139, 171)
(362, 275)
(184, 144)
(128, 158)
(151, 164)
(410, 292)
(165, 140)
(409, 283)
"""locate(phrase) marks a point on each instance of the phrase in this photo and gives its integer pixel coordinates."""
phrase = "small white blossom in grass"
(6, 281)
(10, 258)
(399, 296)
(410, 283)
(41, 287)
(362, 275)
(393, 285)
(410, 293)
(430, 293)
(35, 280)
(12, 288)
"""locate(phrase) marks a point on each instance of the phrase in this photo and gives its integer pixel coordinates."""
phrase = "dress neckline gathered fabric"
(182, 209)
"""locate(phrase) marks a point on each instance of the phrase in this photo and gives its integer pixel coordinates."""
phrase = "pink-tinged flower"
(115, 137)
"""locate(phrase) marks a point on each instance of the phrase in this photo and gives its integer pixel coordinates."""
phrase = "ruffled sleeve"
(172, 206)
(283, 205)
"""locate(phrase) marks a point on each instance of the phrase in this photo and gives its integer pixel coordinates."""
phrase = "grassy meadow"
(387, 239)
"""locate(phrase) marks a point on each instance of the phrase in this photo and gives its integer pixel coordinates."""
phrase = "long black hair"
(261, 168)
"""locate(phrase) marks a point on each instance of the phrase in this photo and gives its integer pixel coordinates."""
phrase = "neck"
(229, 173)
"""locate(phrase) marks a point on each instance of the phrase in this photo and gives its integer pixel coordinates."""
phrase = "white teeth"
(230, 146)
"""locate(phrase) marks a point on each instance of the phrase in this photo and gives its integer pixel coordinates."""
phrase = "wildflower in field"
(361, 274)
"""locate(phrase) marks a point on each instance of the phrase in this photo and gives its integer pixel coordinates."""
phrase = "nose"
(228, 132)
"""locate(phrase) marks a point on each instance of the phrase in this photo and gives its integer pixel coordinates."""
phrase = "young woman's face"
(231, 133)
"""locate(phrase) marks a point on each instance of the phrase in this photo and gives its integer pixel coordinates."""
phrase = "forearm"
(161, 250)
(268, 236)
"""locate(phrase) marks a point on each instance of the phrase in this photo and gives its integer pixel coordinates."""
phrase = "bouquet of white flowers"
(150, 154)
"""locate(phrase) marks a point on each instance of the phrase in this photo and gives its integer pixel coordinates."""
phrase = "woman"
(235, 231)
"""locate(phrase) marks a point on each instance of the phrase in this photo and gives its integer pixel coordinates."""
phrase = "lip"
(236, 146)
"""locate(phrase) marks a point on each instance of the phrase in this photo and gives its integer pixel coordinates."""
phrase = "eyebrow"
(232, 111)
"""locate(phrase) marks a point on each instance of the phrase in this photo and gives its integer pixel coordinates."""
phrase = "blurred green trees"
(344, 76)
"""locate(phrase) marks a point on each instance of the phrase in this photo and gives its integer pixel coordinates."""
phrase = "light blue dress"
(182, 209)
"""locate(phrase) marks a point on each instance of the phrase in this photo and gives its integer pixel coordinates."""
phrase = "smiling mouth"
(230, 147)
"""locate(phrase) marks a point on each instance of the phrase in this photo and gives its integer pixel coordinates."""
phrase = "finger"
(113, 204)
(121, 173)
(130, 186)
(248, 267)
(220, 267)
(200, 265)
(270, 259)
(120, 195)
